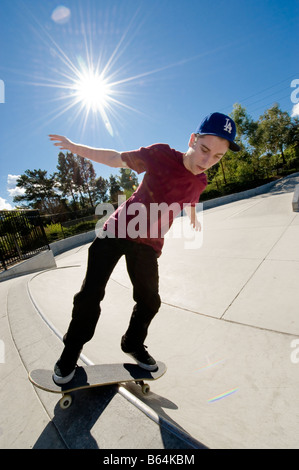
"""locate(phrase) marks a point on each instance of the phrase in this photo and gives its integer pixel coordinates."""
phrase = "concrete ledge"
(72, 242)
(39, 262)
(219, 201)
(295, 202)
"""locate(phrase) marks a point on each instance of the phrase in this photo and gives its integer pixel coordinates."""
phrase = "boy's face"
(204, 152)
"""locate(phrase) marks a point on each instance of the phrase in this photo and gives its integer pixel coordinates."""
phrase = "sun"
(92, 91)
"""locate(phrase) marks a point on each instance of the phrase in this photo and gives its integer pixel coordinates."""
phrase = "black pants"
(142, 266)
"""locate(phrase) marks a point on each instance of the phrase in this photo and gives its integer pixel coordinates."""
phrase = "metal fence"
(21, 236)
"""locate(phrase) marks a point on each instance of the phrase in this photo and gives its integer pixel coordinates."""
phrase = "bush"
(55, 232)
(82, 227)
(210, 193)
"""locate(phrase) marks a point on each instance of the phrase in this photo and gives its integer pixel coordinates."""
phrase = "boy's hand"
(63, 142)
(196, 224)
(191, 212)
(106, 156)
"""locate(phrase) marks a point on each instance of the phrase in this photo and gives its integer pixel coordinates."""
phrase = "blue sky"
(165, 65)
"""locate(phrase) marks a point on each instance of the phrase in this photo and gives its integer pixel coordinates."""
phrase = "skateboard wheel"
(145, 389)
(65, 402)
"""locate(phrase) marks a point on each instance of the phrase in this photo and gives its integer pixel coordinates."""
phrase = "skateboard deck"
(95, 376)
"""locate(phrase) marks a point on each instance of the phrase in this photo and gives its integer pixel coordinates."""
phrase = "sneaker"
(65, 367)
(141, 356)
(61, 376)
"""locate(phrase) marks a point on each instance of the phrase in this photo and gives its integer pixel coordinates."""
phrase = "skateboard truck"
(67, 399)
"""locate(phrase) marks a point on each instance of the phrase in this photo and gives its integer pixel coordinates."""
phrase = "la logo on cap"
(228, 126)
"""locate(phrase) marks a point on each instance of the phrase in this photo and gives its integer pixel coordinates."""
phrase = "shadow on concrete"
(74, 424)
(171, 431)
(83, 426)
(286, 185)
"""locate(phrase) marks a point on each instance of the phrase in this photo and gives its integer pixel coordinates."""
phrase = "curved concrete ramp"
(227, 328)
(100, 418)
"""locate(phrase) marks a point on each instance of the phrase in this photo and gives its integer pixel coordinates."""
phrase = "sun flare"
(92, 91)
(95, 88)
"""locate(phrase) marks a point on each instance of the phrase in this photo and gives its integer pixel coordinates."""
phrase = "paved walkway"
(227, 330)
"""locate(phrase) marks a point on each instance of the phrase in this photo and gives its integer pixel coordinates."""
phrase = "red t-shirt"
(167, 185)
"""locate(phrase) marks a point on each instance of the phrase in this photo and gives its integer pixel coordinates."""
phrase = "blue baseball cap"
(221, 125)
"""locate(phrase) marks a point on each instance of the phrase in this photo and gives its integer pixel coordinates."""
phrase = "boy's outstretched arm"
(107, 157)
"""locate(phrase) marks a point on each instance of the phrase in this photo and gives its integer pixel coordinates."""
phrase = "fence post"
(3, 260)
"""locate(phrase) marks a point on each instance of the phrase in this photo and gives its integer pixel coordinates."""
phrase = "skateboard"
(95, 376)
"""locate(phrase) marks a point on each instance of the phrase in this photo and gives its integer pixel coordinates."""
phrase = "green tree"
(87, 178)
(274, 130)
(293, 144)
(248, 159)
(128, 181)
(76, 177)
(64, 177)
(40, 192)
(114, 188)
(101, 188)
(246, 127)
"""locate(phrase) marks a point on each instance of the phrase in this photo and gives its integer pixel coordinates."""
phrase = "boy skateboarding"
(172, 179)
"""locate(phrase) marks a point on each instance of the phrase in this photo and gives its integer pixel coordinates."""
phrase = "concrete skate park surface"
(228, 330)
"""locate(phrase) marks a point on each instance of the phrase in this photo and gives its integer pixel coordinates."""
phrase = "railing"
(21, 236)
